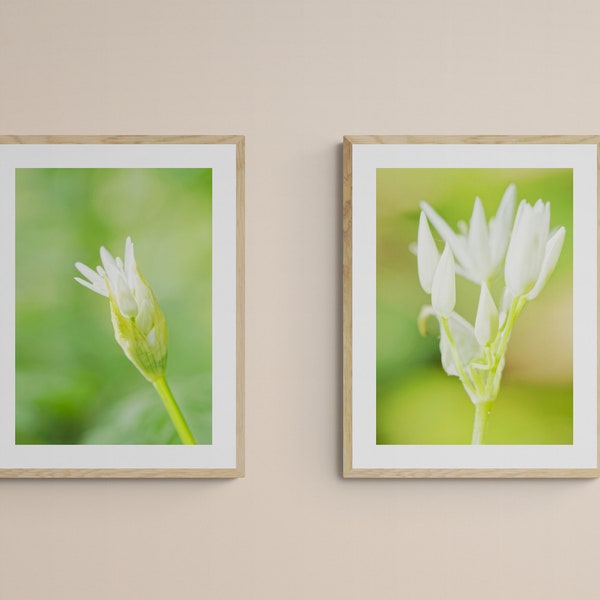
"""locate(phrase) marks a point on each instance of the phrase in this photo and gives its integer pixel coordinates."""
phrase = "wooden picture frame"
(181, 199)
(400, 418)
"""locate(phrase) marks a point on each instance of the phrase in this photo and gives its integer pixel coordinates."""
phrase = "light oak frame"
(348, 470)
(239, 469)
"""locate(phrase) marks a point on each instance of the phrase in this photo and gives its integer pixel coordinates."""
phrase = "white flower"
(479, 248)
(532, 253)
(139, 324)
(486, 321)
(443, 288)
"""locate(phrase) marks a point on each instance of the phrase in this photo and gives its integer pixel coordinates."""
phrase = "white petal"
(486, 321)
(98, 284)
(505, 303)
(479, 246)
(448, 362)
(465, 341)
(500, 225)
(125, 299)
(519, 266)
(457, 243)
(540, 227)
(130, 266)
(92, 275)
(551, 256)
(141, 290)
(120, 264)
(107, 259)
(523, 207)
(144, 317)
(428, 256)
(92, 286)
(443, 291)
(527, 248)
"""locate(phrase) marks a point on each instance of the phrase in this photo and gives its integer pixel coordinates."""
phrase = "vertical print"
(91, 368)
(470, 306)
(485, 356)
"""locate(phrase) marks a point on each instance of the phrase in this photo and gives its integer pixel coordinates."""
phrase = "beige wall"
(294, 77)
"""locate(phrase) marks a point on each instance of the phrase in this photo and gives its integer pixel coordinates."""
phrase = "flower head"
(480, 247)
(527, 251)
(533, 251)
(139, 324)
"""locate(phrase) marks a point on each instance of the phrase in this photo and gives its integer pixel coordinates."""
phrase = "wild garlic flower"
(139, 324)
(480, 247)
(526, 254)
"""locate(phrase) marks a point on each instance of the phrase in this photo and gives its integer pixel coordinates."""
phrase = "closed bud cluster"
(139, 324)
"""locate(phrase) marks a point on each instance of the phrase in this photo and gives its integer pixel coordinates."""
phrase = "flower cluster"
(523, 249)
(139, 324)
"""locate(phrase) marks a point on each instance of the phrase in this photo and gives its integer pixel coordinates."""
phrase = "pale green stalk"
(482, 412)
(162, 387)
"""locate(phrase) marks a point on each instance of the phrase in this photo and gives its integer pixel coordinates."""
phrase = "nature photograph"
(113, 322)
(474, 306)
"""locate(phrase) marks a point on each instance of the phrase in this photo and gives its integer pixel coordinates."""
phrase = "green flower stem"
(482, 412)
(162, 387)
(504, 334)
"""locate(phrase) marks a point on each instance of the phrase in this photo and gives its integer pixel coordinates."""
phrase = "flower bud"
(139, 324)
(443, 291)
(478, 241)
(486, 321)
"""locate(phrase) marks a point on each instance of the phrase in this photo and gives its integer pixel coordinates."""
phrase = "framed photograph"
(470, 306)
(122, 306)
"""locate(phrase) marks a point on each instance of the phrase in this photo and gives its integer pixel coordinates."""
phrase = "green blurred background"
(417, 403)
(74, 385)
